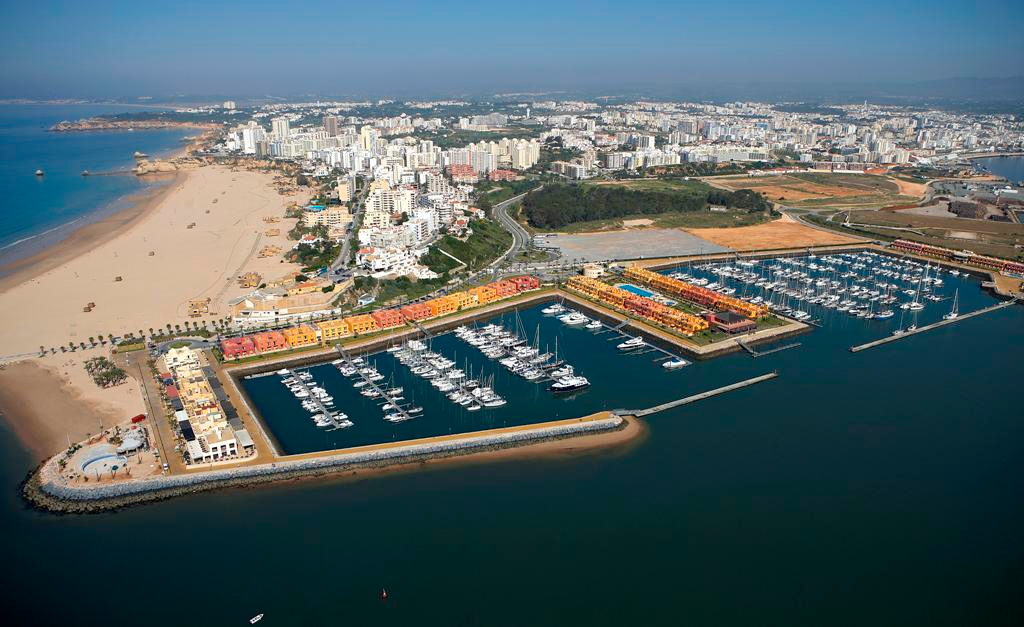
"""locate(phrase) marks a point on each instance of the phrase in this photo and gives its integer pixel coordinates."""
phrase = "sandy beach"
(187, 241)
(47, 400)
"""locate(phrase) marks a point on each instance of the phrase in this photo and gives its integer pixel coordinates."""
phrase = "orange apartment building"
(302, 335)
(363, 323)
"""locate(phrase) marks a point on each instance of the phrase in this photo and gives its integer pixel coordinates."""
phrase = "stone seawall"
(45, 490)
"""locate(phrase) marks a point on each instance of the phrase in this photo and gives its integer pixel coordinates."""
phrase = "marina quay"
(467, 364)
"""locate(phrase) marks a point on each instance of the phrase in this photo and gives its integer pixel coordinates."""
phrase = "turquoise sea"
(40, 211)
(876, 488)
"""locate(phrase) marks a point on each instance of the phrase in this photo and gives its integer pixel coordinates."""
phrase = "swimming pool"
(639, 291)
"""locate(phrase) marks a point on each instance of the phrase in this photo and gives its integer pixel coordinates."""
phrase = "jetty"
(382, 394)
(639, 413)
(756, 353)
(934, 325)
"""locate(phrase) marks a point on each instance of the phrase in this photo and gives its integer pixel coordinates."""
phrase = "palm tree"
(92, 340)
(42, 351)
(150, 331)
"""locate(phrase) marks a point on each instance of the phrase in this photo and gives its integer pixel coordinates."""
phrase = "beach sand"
(46, 400)
(49, 402)
(227, 209)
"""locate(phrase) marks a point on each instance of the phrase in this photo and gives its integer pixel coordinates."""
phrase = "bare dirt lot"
(782, 233)
(819, 189)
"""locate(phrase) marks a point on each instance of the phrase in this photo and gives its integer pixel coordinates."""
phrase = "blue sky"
(80, 49)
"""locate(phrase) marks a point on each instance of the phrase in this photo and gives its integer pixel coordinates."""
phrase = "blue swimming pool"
(639, 291)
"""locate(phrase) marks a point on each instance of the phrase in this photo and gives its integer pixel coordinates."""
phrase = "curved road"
(520, 236)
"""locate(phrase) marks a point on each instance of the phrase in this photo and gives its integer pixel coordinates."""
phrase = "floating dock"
(639, 413)
(929, 327)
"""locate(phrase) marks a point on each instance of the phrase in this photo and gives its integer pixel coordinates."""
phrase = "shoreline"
(608, 432)
(90, 234)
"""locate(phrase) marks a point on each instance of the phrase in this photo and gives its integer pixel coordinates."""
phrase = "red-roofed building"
(388, 318)
(416, 311)
(238, 347)
(525, 282)
(462, 173)
(502, 175)
(504, 288)
(268, 341)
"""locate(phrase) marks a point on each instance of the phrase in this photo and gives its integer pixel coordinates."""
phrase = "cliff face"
(162, 167)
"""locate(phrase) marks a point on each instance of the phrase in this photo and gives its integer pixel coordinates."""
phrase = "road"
(520, 236)
(357, 218)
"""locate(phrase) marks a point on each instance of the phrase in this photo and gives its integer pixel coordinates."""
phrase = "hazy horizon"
(451, 49)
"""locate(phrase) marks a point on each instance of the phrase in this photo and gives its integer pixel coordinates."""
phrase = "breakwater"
(929, 327)
(45, 490)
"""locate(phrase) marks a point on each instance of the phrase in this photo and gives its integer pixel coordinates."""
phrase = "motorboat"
(631, 344)
(574, 319)
(674, 364)
(569, 384)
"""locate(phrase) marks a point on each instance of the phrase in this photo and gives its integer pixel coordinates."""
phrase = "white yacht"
(631, 344)
(574, 318)
(570, 384)
(674, 364)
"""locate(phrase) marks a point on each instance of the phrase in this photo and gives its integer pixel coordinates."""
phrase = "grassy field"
(485, 244)
(655, 185)
(671, 220)
(821, 189)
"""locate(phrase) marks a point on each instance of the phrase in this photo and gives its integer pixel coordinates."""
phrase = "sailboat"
(955, 311)
(900, 330)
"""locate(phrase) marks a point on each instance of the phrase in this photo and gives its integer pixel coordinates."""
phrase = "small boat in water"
(570, 384)
(40, 173)
(955, 311)
(631, 344)
(674, 364)
(255, 619)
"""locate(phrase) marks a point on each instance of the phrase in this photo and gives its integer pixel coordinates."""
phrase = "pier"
(639, 413)
(934, 325)
(315, 399)
(397, 407)
(756, 353)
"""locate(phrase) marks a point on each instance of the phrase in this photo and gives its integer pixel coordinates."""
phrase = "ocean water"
(876, 488)
(1012, 168)
(40, 211)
